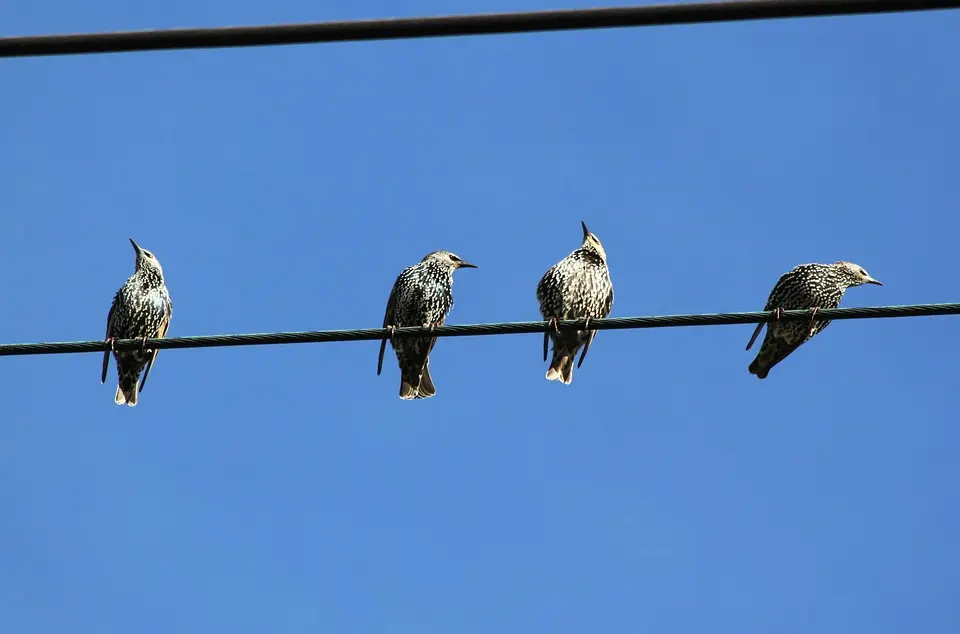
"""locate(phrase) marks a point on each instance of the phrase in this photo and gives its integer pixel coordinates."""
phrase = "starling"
(576, 287)
(421, 296)
(141, 310)
(807, 286)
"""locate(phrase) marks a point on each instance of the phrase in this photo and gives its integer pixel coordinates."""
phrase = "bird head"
(855, 275)
(146, 261)
(591, 241)
(449, 260)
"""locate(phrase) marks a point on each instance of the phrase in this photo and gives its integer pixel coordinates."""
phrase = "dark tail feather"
(146, 371)
(756, 332)
(561, 366)
(586, 346)
(416, 382)
(427, 388)
(760, 370)
(772, 352)
(383, 347)
(127, 389)
(106, 362)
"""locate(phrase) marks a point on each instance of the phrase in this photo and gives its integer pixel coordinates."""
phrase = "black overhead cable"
(446, 26)
(510, 328)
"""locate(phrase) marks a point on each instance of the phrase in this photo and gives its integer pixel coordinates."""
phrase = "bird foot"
(813, 314)
(555, 324)
(143, 344)
(393, 331)
(586, 324)
(110, 341)
(777, 314)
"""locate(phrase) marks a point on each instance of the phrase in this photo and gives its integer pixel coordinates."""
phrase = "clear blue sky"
(288, 489)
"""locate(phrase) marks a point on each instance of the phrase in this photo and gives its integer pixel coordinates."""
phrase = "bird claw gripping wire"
(813, 325)
(554, 323)
(777, 315)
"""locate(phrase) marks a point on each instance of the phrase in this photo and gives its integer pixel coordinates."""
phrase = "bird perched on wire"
(141, 310)
(576, 287)
(807, 286)
(421, 296)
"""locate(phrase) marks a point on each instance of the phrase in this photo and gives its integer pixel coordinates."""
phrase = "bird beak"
(136, 246)
(870, 280)
(586, 231)
(463, 264)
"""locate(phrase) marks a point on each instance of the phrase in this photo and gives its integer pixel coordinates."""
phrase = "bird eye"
(454, 258)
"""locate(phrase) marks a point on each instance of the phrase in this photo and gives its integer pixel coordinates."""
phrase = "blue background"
(288, 489)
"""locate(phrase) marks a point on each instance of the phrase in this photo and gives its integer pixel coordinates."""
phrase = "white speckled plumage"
(576, 287)
(141, 309)
(422, 295)
(804, 287)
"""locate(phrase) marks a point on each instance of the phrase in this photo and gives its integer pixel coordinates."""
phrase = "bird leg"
(432, 340)
(110, 341)
(393, 331)
(589, 339)
(143, 344)
(813, 314)
(777, 314)
(554, 323)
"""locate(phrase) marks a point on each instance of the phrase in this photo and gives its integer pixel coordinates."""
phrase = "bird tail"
(772, 352)
(126, 397)
(416, 382)
(127, 390)
(561, 366)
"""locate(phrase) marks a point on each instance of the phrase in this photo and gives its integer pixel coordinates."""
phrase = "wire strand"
(468, 330)
(448, 26)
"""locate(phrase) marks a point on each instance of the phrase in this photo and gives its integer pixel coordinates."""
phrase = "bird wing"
(388, 320)
(586, 346)
(605, 312)
(756, 333)
(542, 291)
(106, 353)
(160, 334)
(819, 326)
(433, 340)
(773, 351)
(770, 305)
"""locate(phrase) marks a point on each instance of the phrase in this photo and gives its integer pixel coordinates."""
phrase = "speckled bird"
(576, 287)
(806, 286)
(421, 296)
(141, 310)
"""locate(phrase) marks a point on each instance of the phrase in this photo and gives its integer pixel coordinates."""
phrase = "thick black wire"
(446, 26)
(514, 328)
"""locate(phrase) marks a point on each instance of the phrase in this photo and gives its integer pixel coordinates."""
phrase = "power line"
(512, 328)
(447, 26)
